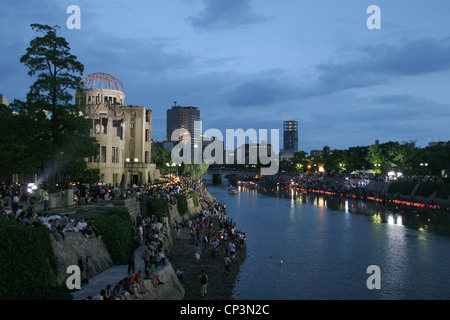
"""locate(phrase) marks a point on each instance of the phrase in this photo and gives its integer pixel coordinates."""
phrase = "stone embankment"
(75, 245)
(382, 187)
(102, 271)
(172, 289)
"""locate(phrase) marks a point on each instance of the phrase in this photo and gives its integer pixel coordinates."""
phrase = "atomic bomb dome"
(104, 81)
(123, 132)
(101, 88)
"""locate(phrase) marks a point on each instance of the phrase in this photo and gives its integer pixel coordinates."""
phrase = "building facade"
(3, 100)
(187, 118)
(182, 118)
(122, 131)
(290, 137)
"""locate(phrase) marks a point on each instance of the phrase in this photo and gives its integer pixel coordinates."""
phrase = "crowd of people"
(17, 203)
(210, 226)
(151, 232)
(55, 224)
(218, 233)
(350, 186)
(167, 189)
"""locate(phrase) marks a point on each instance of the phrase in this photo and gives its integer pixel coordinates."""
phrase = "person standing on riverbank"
(45, 197)
(197, 252)
(83, 265)
(203, 279)
(227, 264)
(131, 263)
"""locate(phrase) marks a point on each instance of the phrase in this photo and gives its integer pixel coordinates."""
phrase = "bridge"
(219, 173)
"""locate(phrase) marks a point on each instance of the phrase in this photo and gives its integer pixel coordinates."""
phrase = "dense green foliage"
(381, 158)
(194, 197)
(196, 171)
(182, 205)
(28, 267)
(161, 157)
(424, 189)
(402, 187)
(444, 193)
(116, 229)
(427, 189)
(158, 207)
(47, 133)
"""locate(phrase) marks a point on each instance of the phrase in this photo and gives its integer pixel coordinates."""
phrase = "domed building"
(122, 131)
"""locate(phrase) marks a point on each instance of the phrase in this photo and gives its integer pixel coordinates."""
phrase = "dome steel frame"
(102, 81)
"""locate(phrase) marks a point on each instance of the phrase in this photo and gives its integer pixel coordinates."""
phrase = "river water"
(320, 247)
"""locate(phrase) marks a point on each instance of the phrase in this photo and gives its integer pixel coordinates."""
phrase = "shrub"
(116, 229)
(194, 196)
(426, 189)
(28, 267)
(158, 207)
(402, 187)
(182, 205)
(444, 193)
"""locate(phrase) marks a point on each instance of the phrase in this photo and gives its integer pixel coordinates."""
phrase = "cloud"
(131, 54)
(258, 92)
(375, 65)
(219, 14)
(259, 89)
(392, 99)
(379, 64)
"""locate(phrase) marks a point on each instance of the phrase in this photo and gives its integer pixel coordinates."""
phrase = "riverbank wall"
(433, 199)
(420, 194)
(75, 245)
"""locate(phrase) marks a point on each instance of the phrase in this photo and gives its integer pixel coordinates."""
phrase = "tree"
(405, 157)
(196, 171)
(24, 141)
(160, 157)
(438, 158)
(375, 157)
(287, 166)
(334, 162)
(355, 158)
(63, 132)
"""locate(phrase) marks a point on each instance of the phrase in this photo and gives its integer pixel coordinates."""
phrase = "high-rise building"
(182, 118)
(187, 118)
(290, 136)
(3, 100)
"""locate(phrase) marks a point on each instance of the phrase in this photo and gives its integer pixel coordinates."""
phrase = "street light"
(173, 165)
(128, 160)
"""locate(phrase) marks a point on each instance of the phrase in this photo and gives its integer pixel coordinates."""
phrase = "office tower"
(187, 118)
(3, 100)
(183, 118)
(290, 136)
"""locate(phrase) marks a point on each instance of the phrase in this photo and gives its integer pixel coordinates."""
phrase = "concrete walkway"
(110, 276)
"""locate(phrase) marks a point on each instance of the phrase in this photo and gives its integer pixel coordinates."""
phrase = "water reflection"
(327, 243)
(421, 219)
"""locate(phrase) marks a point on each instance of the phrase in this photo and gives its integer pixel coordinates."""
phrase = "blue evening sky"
(255, 63)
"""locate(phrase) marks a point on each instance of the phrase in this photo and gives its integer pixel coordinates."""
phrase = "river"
(303, 247)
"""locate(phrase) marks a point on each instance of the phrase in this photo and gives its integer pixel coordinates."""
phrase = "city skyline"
(253, 64)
